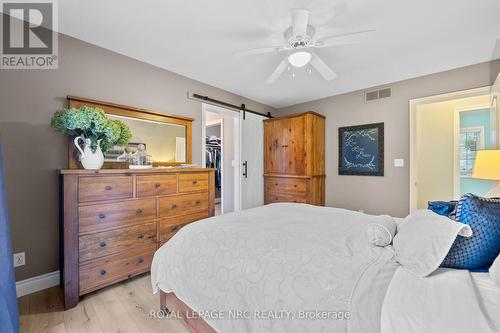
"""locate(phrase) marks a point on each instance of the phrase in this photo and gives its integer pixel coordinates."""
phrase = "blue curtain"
(9, 317)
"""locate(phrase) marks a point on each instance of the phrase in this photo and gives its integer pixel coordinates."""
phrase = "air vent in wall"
(374, 95)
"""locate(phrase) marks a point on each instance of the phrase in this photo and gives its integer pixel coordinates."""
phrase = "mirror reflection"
(166, 143)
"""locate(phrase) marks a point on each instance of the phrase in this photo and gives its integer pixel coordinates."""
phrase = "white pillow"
(381, 231)
(495, 271)
(423, 240)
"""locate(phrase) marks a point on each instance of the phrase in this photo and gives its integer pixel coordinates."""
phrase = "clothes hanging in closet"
(214, 158)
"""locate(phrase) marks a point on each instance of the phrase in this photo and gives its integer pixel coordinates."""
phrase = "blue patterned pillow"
(481, 249)
(444, 208)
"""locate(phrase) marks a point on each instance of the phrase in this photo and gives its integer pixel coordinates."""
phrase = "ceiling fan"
(299, 41)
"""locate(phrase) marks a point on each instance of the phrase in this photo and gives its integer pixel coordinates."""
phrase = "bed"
(291, 268)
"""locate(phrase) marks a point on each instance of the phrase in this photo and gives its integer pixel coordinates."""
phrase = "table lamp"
(487, 166)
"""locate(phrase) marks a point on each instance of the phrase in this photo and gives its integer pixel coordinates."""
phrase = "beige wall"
(388, 194)
(33, 152)
(435, 148)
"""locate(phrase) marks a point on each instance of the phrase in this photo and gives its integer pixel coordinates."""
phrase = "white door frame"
(217, 122)
(217, 109)
(413, 104)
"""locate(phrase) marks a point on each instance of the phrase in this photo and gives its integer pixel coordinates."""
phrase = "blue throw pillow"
(481, 249)
(444, 208)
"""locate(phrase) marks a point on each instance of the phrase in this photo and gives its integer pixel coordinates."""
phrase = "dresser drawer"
(170, 226)
(189, 182)
(284, 197)
(156, 185)
(294, 186)
(104, 188)
(114, 241)
(94, 218)
(183, 204)
(114, 268)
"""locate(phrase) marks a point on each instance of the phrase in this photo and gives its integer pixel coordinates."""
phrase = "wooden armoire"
(294, 159)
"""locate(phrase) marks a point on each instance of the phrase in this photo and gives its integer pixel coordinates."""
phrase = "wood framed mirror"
(167, 137)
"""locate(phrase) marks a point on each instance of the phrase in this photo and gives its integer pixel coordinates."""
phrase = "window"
(471, 140)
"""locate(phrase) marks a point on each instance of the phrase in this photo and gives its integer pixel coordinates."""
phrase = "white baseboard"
(37, 283)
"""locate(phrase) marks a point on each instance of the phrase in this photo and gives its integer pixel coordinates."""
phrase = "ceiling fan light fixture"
(299, 59)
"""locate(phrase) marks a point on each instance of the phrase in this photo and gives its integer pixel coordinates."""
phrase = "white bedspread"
(280, 257)
(449, 300)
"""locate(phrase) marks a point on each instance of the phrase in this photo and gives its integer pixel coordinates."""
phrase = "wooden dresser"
(294, 159)
(115, 219)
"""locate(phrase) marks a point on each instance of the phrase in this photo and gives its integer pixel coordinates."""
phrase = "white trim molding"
(37, 283)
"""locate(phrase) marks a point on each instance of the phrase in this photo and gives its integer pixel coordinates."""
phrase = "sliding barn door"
(252, 160)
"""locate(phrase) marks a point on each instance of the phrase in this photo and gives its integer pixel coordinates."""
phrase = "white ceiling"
(198, 39)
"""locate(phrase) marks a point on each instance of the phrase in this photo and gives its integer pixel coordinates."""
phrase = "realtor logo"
(29, 40)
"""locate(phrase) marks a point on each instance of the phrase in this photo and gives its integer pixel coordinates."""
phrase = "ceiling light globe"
(299, 59)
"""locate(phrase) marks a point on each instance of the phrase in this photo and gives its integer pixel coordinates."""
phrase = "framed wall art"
(361, 150)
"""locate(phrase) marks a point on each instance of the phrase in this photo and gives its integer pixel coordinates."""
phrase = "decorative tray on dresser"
(113, 221)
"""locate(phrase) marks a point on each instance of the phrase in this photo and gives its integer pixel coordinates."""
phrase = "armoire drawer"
(94, 218)
(190, 182)
(104, 188)
(110, 242)
(183, 204)
(170, 226)
(284, 197)
(152, 185)
(294, 186)
(115, 268)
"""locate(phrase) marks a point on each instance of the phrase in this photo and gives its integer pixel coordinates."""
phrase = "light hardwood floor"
(124, 307)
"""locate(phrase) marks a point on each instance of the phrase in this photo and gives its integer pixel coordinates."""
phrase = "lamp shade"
(487, 165)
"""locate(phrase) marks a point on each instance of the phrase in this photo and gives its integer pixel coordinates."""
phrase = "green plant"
(92, 123)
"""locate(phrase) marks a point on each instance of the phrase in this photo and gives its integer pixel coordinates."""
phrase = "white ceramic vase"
(90, 160)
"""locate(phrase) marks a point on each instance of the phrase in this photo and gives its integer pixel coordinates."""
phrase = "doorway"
(240, 167)
(446, 131)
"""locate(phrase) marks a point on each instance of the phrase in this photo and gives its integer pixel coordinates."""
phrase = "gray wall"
(388, 194)
(34, 152)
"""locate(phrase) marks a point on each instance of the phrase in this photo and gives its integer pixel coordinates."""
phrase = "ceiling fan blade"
(300, 20)
(278, 71)
(344, 39)
(322, 68)
(260, 50)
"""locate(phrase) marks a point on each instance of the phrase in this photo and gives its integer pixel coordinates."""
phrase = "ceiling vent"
(374, 95)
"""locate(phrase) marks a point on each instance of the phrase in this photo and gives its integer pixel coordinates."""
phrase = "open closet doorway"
(220, 143)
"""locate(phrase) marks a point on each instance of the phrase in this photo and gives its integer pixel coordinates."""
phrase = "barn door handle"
(245, 169)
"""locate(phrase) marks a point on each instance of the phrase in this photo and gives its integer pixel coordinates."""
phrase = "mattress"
(282, 267)
(488, 295)
(449, 300)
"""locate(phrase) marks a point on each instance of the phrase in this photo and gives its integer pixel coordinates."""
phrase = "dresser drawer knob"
(173, 228)
(102, 244)
(140, 261)
(140, 236)
(102, 216)
(195, 182)
(108, 188)
(157, 185)
(174, 206)
(139, 211)
(103, 272)
(198, 202)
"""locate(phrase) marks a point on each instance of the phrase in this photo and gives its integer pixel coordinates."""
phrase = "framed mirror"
(167, 137)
